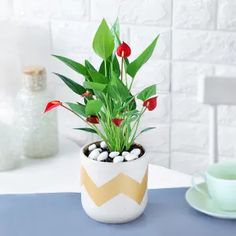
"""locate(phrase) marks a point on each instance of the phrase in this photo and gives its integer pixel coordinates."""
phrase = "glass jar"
(39, 129)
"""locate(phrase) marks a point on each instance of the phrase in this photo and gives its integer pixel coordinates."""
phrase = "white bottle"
(39, 129)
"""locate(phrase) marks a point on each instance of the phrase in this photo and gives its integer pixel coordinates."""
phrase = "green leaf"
(73, 64)
(116, 35)
(90, 130)
(134, 66)
(95, 86)
(102, 67)
(77, 88)
(116, 66)
(119, 92)
(98, 77)
(103, 42)
(147, 93)
(77, 107)
(128, 103)
(115, 30)
(120, 88)
(93, 107)
(89, 66)
(145, 130)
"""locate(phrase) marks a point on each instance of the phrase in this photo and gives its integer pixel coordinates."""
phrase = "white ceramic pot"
(114, 192)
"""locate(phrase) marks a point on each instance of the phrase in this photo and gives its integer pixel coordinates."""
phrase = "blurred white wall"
(197, 38)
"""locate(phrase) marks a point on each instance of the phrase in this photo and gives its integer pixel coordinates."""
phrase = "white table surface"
(61, 174)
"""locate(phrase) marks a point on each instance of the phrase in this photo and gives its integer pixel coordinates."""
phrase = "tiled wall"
(198, 37)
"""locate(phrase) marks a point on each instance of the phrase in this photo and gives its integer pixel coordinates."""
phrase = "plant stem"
(92, 126)
(122, 66)
(126, 81)
(136, 125)
(131, 84)
(105, 66)
(74, 113)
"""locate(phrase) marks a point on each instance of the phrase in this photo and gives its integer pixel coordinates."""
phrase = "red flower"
(52, 105)
(123, 50)
(87, 94)
(93, 119)
(117, 121)
(151, 103)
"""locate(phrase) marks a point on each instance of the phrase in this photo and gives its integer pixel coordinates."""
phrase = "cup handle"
(195, 185)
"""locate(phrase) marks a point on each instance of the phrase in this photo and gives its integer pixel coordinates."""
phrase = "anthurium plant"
(109, 107)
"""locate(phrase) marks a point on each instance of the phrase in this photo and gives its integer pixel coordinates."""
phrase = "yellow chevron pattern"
(120, 184)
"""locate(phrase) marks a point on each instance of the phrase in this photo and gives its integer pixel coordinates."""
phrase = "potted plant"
(113, 170)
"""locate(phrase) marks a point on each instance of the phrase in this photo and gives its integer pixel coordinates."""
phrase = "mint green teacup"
(220, 179)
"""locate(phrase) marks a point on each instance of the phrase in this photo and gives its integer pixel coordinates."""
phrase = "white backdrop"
(197, 38)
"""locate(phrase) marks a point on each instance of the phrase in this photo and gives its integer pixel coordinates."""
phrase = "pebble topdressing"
(99, 152)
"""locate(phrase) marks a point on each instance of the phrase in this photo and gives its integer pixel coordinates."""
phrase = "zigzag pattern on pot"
(120, 184)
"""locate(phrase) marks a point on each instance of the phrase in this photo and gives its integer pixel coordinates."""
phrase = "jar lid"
(35, 78)
(34, 70)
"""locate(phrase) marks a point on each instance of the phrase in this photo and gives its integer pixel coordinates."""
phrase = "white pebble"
(124, 154)
(103, 144)
(94, 154)
(113, 154)
(130, 157)
(92, 147)
(98, 149)
(118, 159)
(102, 156)
(136, 151)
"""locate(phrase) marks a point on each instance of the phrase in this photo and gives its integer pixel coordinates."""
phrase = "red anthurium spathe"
(117, 121)
(123, 50)
(151, 103)
(51, 105)
(93, 119)
(87, 94)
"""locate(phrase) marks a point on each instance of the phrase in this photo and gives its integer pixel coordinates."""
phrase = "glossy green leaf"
(77, 88)
(95, 86)
(88, 65)
(119, 92)
(73, 64)
(145, 130)
(121, 88)
(93, 107)
(128, 103)
(134, 66)
(90, 130)
(103, 42)
(115, 66)
(117, 40)
(115, 30)
(125, 94)
(102, 67)
(98, 77)
(77, 107)
(147, 93)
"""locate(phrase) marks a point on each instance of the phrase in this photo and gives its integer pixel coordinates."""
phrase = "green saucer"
(204, 204)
